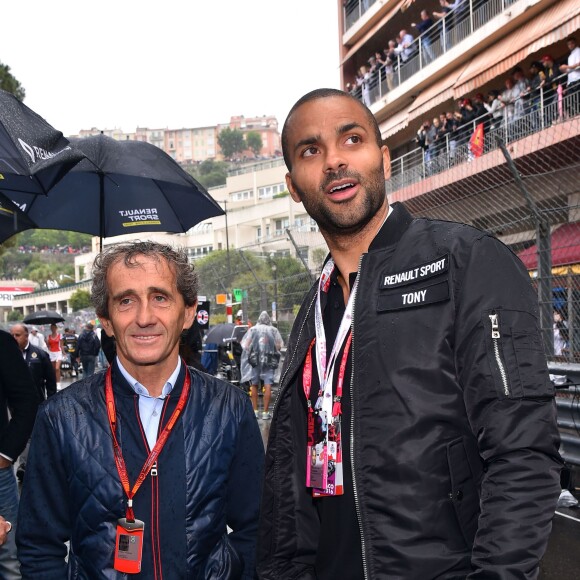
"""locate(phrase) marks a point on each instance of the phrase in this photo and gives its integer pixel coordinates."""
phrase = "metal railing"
(445, 34)
(541, 110)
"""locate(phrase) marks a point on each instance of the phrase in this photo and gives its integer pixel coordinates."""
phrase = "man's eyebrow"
(307, 141)
(348, 127)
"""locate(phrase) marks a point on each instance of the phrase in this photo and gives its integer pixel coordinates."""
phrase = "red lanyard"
(119, 461)
(307, 377)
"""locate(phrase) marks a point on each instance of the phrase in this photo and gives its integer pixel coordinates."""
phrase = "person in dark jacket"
(150, 462)
(88, 347)
(42, 372)
(18, 405)
(38, 362)
(414, 435)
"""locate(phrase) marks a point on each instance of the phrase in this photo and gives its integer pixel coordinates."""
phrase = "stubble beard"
(350, 222)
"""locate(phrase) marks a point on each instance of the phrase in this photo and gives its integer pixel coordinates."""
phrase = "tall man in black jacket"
(17, 393)
(42, 372)
(414, 435)
(38, 362)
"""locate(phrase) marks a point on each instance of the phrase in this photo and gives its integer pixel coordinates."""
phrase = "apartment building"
(512, 172)
(197, 144)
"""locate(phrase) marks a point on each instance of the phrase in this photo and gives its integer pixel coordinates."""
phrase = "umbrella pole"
(101, 209)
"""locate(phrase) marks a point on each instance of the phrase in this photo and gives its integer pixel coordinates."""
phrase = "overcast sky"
(169, 63)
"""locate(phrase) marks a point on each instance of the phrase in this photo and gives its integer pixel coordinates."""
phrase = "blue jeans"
(9, 565)
(88, 365)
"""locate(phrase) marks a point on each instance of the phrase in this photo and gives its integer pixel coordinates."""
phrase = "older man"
(149, 463)
(37, 360)
(42, 372)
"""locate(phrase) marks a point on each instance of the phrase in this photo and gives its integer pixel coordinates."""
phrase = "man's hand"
(5, 528)
(4, 463)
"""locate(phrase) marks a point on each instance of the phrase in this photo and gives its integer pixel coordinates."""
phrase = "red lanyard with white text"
(154, 454)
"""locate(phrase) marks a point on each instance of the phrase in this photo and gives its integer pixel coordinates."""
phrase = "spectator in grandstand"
(421, 136)
(389, 67)
(572, 68)
(537, 81)
(391, 52)
(495, 109)
(479, 111)
(405, 49)
(444, 25)
(550, 89)
(508, 98)
(522, 88)
(363, 81)
(426, 36)
(451, 127)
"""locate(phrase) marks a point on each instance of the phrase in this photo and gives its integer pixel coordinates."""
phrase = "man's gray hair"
(176, 258)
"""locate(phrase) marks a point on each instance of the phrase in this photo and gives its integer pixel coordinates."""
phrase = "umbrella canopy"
(220, 333)
(121, 187)
(33, 154)
(12, 219)
(43, 317)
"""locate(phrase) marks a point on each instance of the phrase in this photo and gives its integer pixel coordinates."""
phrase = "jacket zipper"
(495, 337)
(354, 486)
(282, 386)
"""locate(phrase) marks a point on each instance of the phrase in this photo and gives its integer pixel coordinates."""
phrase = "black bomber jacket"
(453, 432)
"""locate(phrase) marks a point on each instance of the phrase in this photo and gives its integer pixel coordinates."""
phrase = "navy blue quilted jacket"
(209, 478)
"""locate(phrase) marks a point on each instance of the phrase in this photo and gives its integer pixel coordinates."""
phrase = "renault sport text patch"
(416, 273)
(413, 297)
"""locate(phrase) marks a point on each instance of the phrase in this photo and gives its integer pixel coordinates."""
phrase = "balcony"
(545, 110)
(445, 34)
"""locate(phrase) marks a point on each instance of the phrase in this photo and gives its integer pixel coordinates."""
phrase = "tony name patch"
(413, 297)
(416, 273)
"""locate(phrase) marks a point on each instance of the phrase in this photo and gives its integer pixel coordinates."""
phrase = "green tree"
(10, 84)
(254, 142)
(14, 316)
(80, 299)
(231, 142)
(209, 173)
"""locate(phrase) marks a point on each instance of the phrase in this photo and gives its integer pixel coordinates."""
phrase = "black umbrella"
(43, 317)
(12, 219)
(33, 154)
(121, 187)
(219, 333)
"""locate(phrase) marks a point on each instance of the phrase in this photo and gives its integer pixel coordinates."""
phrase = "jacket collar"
(122, 387)
(393, 228)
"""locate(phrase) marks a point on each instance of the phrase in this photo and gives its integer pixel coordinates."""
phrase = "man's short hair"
(89, 326)
(324, 94)
(127, 253)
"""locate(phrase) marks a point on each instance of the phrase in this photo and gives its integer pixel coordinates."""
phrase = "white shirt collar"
(141, 390)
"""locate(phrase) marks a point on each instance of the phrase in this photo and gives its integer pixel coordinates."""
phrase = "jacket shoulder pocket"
(516, 354)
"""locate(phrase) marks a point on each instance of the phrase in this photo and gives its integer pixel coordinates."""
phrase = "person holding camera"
(262, 344)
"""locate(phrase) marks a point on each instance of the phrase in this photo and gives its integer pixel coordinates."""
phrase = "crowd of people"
(31, 249)
(547, 84)
(430, 27)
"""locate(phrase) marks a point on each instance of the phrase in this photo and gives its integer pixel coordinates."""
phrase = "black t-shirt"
(339, 553)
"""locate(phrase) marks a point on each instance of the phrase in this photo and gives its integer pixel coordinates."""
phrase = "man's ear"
(190, 313)
(386, 161)
(107, 326)
(293, 193)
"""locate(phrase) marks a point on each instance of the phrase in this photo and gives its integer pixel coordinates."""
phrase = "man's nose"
(334, 160)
